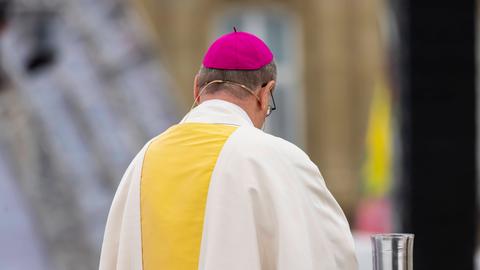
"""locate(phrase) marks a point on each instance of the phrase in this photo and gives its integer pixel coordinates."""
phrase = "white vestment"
(267, 207)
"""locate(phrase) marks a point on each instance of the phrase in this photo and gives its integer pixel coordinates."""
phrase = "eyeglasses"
(270, 108)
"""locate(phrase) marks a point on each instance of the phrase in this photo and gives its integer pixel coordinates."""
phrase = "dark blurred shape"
(4, 10)
(439, 131)
(3, 80)
(42, 51)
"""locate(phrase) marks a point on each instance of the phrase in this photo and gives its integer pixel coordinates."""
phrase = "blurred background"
(380, 93)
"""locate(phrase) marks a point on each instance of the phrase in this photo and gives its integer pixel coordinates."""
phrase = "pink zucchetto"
(237, 50)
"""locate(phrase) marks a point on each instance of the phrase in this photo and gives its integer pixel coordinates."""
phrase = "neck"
(244, 104)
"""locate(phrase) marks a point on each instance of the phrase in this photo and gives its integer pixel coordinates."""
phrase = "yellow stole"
(176, 175)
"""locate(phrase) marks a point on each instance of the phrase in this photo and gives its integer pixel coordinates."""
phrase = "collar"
(217, 111)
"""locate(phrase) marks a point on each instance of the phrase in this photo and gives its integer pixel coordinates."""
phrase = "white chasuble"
(216, 193)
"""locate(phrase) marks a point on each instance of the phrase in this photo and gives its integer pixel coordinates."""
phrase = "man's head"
(239, 68)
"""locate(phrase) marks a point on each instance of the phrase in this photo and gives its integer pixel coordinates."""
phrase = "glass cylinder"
(392, 251)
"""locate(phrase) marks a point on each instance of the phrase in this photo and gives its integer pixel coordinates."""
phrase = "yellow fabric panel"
(175, 179)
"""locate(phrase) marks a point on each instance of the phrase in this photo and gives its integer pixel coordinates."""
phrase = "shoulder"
(263, 159)
(252, 142)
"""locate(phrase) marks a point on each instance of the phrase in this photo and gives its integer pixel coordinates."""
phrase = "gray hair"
(250, 78)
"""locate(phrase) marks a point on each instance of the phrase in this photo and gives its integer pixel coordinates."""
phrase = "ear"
(196, 89)
(271, 85)
(265, 94)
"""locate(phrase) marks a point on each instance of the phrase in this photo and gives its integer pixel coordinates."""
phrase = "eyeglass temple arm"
(273, 100)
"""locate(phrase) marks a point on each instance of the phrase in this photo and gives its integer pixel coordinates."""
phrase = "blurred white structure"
(69, 130)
